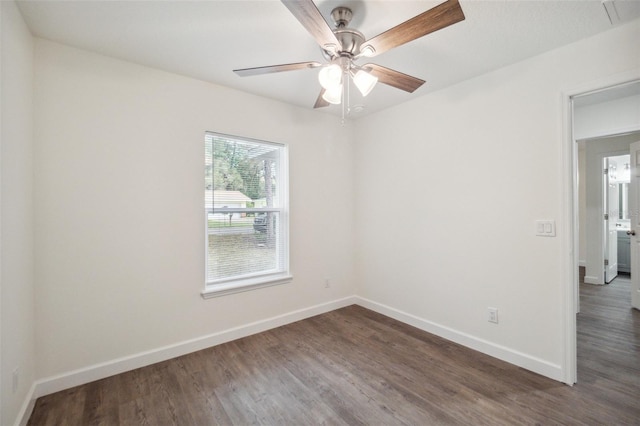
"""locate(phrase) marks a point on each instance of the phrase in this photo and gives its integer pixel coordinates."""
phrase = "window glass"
(245, 200)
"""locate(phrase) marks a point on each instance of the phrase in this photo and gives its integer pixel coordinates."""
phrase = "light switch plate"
(546, 228)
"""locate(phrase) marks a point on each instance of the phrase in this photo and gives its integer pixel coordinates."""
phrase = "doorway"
(617, 225)
(603, 216)
(599, 120)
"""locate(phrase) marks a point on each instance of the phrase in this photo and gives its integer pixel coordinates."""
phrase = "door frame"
(570, 243)
(607, 224)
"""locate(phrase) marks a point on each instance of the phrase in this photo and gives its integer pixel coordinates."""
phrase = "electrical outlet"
(492, 315)
(327, 282)
(15, 380)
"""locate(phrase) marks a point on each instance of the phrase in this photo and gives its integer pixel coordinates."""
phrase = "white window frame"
(261, 279)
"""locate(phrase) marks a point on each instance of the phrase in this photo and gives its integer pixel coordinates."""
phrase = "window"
(245, 203)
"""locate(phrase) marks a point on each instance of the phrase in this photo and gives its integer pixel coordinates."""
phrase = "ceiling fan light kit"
(333, 95)
(343, 45)
(330, 76)
(364, 81)
(335, 75)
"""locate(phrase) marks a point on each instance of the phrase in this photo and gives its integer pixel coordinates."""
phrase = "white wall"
(16, 215)
(467, 241)
(607, 118)
(119, 229)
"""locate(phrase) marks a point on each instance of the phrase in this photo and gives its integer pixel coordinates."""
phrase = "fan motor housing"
(349, 38)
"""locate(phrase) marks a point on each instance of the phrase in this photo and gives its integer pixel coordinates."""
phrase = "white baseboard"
(89, 374)
(582, 263)
(592, 280)
(509, 355)
(27, 407)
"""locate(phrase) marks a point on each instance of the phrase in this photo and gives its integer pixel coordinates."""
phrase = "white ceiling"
(208, 39)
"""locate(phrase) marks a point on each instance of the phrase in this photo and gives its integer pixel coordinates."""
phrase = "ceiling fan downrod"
(341, 15)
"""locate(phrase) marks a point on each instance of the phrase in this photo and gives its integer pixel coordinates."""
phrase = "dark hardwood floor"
(354, 366)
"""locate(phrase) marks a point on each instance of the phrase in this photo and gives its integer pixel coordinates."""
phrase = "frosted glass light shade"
(330, 77)
(365, 82)
(333, 95)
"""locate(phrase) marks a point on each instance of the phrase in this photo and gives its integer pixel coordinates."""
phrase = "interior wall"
(607, 118)
(16, 215)
(119, 165)
(464, 239)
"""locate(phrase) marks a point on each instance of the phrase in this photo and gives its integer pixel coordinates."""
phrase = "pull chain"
(346, 82)
(346, 96)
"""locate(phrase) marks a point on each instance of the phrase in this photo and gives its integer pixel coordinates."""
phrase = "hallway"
(609, 343)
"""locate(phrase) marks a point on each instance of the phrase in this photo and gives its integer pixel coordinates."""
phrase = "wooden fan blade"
(441, 16)
(246, 72)
(320, 102)
(310, 17)
(394, 78)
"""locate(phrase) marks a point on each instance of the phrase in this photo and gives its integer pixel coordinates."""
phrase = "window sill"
(217, 290)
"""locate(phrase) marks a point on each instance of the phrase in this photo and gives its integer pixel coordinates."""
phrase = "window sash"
(277, 246)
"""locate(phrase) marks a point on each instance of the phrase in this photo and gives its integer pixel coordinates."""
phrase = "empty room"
(319, 212)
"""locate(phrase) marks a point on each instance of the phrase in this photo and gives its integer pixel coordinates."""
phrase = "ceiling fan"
(343, 46)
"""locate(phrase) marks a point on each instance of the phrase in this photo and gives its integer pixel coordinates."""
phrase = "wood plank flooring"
(353, 367)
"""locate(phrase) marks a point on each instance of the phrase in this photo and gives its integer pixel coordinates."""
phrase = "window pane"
(243, 245)
(250, 168)
(240, 177)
